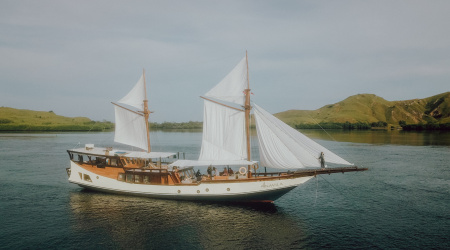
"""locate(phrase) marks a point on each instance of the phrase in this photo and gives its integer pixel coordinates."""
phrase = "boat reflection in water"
(136, 222)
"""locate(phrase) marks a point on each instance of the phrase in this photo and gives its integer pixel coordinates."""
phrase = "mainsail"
(281, 146)
(232, 87)
(223, 125)
(223, 133)
(224, 130)
(130, 128)
(131, 125)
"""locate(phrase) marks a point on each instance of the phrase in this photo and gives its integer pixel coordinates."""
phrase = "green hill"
(369, 108)
(28, 120)
(364, 110)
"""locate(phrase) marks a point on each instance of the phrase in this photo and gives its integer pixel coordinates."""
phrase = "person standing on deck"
(209, 171)
(322, 160)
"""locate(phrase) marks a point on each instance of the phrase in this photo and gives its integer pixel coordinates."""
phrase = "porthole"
(97, 177)
(179, 191)
(207, 190)
(86, 177)
(198, 191)
(228, 189)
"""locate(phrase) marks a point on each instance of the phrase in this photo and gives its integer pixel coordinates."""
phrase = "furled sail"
(281, 146)
(136, 96)
(223, 126)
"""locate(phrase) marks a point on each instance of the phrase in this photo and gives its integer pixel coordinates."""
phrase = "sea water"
(402, 202)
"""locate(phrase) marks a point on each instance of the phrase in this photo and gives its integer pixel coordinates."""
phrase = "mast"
(146, 113)
(247, 108)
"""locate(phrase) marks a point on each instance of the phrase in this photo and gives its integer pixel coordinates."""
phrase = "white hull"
(258, 190)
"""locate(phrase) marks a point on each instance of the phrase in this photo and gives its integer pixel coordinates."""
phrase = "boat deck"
(109, 172)
(162, 176)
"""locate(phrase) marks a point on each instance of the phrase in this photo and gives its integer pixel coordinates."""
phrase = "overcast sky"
(75, 57)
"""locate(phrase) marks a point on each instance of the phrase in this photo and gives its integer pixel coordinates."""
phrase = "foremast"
(146, 113)
(247, 109)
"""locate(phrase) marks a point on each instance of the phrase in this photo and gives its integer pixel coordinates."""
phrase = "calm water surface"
(401, 203)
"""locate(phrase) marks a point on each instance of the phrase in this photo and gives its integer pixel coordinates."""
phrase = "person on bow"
(322, 160)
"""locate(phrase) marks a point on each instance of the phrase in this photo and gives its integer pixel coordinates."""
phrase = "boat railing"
(311, 172)
(269, 174)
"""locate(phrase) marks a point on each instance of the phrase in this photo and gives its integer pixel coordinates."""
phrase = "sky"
(76, 57)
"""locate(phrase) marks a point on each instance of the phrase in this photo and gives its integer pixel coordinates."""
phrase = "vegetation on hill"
(363, 111)
(27, 120)
(367, 110)
(177, 125)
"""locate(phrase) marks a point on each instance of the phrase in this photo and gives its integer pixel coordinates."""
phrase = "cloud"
(302, 54)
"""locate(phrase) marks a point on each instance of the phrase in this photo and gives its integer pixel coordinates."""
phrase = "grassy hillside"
(27, 120)
(369, 108)
(361, 110)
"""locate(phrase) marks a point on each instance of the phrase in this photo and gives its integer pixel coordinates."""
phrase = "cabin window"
(113, 162)
(146, 180)
(137, 179)
(121, 177)
(87, 177)
(129, 178)
(81, 176)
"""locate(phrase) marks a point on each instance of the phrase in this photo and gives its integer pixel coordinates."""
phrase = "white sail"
(130, 128)
(281, 146)
(223, 133)
(136, 96)
(231, 88)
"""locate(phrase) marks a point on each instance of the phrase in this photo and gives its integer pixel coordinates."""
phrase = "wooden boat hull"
(233, 191)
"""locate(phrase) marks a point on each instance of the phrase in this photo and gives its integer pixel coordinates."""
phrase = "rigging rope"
(89, 131)
(86, 132)
(344, 149)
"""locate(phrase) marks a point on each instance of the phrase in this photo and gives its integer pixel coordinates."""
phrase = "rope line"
(344, 149)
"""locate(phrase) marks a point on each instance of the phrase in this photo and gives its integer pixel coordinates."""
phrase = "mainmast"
(146, 113)
(247, 108)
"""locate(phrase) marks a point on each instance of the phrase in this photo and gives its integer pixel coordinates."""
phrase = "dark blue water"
(401, 203)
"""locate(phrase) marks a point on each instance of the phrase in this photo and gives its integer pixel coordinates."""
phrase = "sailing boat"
(225, 145)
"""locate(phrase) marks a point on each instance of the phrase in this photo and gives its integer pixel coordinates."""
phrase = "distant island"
(362, 111)
(365, 111)
(28, 120)
(47, 121)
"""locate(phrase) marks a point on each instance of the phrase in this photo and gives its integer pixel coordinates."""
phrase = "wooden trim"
(221, 104)
(128, 109)
(146, 113)
(247, 108)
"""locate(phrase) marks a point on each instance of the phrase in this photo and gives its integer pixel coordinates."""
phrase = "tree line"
(342, 125)
(365, 125)
(429, 126)
(177, 125)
